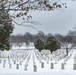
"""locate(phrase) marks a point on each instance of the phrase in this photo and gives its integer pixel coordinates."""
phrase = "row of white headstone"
(19, 57)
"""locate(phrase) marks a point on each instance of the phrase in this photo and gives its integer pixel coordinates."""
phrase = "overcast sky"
(58, 21)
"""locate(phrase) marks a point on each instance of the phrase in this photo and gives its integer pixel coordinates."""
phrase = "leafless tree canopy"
(20, 8)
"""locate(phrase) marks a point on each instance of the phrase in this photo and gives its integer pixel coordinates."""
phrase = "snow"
(28, 60)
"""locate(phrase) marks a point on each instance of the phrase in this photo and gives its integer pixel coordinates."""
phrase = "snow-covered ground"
(32, 62)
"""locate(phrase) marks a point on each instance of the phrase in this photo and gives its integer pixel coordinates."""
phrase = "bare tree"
(21, 8)
(60, 38)
(41, 35)
(67, 41)
(17, 40)
(27, 38)
(73, 35)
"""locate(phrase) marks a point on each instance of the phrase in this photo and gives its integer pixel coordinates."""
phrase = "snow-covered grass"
(32, 62)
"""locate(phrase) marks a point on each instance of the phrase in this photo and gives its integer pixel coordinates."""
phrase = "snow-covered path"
(33, 60)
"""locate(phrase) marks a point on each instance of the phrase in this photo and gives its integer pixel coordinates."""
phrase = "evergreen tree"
(6, 29)
(39, 44)
(52, 44)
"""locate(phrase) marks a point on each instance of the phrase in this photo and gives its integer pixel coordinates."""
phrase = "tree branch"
(21, 24)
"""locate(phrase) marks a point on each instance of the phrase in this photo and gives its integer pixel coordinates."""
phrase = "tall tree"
(6, 29)
(52, 44)
(41, 35)
(39, 44)
(67, 43)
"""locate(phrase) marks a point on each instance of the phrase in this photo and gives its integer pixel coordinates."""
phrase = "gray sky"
(58, 21)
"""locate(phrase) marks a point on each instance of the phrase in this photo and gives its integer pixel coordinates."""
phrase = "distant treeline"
(65, 40)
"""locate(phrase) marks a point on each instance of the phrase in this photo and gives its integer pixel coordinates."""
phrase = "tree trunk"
(66, 51)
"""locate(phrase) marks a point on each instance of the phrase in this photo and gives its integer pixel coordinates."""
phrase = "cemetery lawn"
(30, 62)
